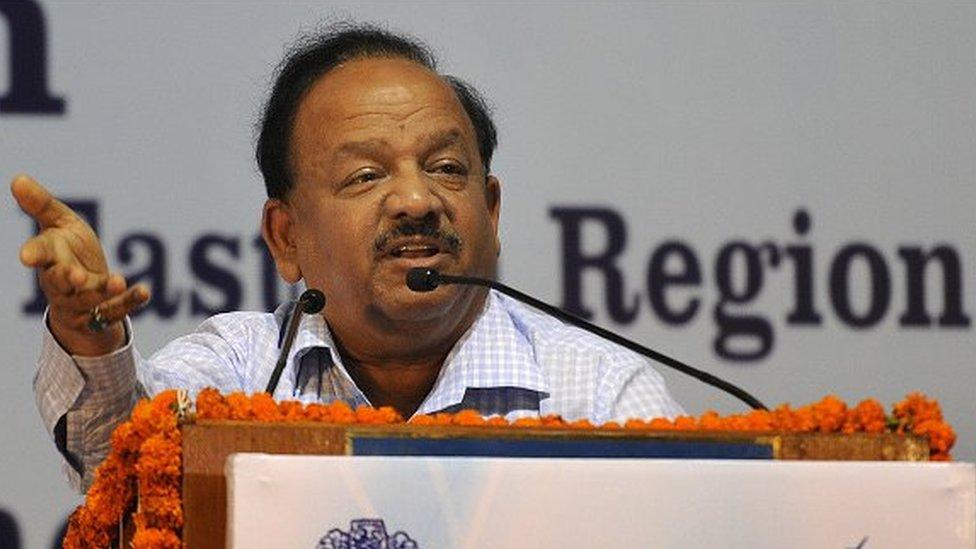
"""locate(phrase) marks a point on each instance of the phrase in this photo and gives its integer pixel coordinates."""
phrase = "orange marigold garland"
(145, 453)
(146, 450)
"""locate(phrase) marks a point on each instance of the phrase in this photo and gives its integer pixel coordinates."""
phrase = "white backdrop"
(706, 124)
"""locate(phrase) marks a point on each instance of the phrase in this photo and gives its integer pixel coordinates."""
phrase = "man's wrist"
(86, 342)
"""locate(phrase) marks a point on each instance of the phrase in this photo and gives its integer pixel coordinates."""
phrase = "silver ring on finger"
(96, 321)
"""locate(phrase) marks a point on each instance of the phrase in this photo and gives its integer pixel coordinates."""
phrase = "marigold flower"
(804, 419)
(941, 438)
(468, 418)
(710, 421)
(264, 408)
(442, 419)
(422, 419)
(915, 409)
(553, 421)
(125, 439)
(153, 538)
(581, 424)
(527, 422)
(340, 412)
(159, 455)
(760, 420)
(389, 415)
(293, 411)
(240, 406)
(829, 414)
(212, 405)
(637, 425)
(661, 424)
(867, 417)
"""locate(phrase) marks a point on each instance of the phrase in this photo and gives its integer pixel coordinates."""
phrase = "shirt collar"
(313, 333)
(494, 352)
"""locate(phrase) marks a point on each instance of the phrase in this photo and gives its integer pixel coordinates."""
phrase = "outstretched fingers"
(91, 311)
(38, 251)
(76, 291)
(116, 308)
(86, 301)
(39, 203)
(61, 280)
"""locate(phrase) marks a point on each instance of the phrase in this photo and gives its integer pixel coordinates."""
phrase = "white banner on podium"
(407, 502)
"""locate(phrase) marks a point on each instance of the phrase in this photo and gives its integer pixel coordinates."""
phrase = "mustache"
(448, 240)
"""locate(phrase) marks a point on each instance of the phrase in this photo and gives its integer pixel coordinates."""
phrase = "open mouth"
(417, 243)
(414, 250)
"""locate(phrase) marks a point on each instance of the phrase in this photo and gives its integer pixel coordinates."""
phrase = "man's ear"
(493, 195)
(277, 229)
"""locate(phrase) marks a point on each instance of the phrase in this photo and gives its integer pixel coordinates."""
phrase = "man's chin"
(406, 304)
(397, 302)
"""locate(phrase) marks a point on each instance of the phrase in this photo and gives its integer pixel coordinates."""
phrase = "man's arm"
(81, 400)
(86, 306)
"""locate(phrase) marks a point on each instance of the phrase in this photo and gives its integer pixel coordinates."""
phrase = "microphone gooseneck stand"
(310, 302)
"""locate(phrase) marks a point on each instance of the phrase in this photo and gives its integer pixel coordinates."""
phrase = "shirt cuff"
(64, 382)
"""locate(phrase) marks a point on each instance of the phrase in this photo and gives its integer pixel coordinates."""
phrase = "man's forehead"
(434, 140)
(365, 98)
(380, 85)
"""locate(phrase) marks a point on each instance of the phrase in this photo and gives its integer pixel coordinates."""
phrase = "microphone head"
(312, 301)
(420, 279)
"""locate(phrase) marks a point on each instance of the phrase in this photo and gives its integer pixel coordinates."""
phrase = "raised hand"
(86, 301)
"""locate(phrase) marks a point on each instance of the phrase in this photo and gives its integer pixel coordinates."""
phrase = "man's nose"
(412, 196)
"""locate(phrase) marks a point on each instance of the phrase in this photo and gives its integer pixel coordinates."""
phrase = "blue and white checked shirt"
(514, 361)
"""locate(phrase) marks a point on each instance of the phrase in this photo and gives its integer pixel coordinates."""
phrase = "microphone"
(420, 279)
(310, 302)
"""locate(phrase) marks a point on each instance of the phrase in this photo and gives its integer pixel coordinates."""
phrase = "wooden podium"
(207, 445)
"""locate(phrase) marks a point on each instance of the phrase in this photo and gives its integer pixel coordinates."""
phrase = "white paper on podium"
(333, 501)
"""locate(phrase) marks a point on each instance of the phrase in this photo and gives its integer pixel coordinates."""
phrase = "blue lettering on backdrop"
(744, 326)
(880, 285)
(660, 277)
(739, 275)
(10, 537)
(9, 530)
(575, 262)
(916, 260)
(214, 275)
(28, 92)
(803, 312)
(154, 274)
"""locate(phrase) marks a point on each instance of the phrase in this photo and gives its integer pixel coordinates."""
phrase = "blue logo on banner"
(366, 534)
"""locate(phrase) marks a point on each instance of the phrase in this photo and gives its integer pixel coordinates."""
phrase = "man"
(374, 164)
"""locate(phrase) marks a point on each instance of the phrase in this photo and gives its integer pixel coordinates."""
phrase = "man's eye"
(449, 168)
(362, 177)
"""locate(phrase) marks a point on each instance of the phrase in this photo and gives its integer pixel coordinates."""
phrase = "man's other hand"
(74, 275)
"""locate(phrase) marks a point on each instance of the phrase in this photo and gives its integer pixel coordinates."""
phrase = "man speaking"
(374, 164)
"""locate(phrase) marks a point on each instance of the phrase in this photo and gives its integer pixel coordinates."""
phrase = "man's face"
(388, 177)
